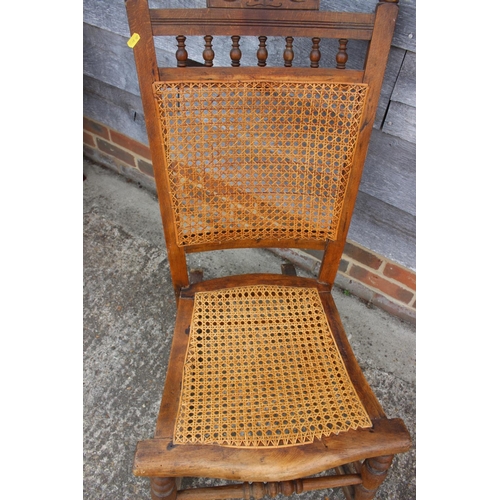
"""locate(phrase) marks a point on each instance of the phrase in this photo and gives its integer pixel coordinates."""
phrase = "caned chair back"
(261, 155)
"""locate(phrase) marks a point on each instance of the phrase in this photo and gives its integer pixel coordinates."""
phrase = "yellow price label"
(133, 40)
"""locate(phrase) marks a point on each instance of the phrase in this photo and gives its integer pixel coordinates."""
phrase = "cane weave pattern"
(263, 369)
(258, 159)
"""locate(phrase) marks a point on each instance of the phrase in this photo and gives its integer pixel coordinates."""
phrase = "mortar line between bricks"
(382, 276)
(132, 153)
(380, 292)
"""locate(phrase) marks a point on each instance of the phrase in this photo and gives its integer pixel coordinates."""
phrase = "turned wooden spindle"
(208, 53)
(315, 55)
(288, 54)
(163, 488)
(342, 53)
(373, 472)
(235, 53)
(181, 55)
(262, 51)
(257, 491)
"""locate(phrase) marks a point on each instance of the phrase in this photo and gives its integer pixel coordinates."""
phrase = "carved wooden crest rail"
(265, 4)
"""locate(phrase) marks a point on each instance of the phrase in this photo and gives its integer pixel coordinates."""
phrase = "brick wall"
(369, 276)
(378, 281)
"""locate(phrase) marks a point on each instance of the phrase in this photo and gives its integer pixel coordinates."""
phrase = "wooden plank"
(109, 15)
(116, 108)
(158, 457)
(107, 57)
(227, 74)
(405, 88)
(384, 229)
(252, 279)
(253, 243)
(405, 31)
(394, 62)
(270, 23)
(405, 36)
(390, 171)
(173, 381)
(401, 121)
(112, 16)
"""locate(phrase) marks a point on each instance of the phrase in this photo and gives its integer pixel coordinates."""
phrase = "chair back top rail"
(245, 22)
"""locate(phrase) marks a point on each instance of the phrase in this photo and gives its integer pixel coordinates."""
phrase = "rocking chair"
(262, 385)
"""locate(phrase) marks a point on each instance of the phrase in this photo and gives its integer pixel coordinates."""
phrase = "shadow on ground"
(129, 310)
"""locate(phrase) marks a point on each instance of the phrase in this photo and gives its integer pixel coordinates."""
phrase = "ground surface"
(129, 311)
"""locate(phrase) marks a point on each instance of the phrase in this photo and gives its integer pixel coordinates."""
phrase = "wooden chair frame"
(360, 457)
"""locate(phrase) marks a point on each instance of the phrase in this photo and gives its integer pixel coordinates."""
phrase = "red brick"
(146, 167)
(88, 139)
(95, 128)
(405, 313)
(380, 284)
(113, 150)
(362, 256)
(131, 144)
(402, 275)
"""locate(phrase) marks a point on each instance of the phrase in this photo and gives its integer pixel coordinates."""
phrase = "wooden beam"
(173, 22)
(159, 457)
(203, 73)
(258, 490)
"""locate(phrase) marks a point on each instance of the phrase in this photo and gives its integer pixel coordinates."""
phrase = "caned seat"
(263, 369)
(262, 385)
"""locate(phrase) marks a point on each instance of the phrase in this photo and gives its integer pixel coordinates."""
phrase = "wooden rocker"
(262, 386)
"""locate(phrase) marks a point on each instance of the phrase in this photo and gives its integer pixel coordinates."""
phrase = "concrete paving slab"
(129, 312)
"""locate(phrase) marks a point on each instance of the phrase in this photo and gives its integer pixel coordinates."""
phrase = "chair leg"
(373, 472)
(163, 488)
